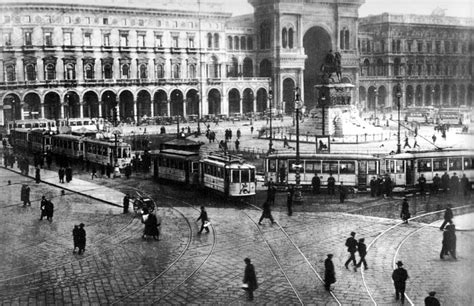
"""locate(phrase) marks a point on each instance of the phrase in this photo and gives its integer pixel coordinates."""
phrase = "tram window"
(455, 164)
(292, 164)
(312, 167)
(244, 176)
(399, 166)
(440, 164)
(28, 126)
(235, 176)
(75, 146)
(424, 165)
(220, 172)
(347, 167)
(330, 167)
(252, 175)
(271, 165)
(468, 163)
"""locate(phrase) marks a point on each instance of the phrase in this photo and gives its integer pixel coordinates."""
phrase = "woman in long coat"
(151, 226)
(250, 278)
(329, 273)
(405, 213)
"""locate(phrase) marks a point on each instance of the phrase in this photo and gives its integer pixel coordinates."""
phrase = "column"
(116, 68)
(42, 110)
(22, 104)
(152, 107)
(79, 70)
(100, 109)
(39, 70)
(184, 108)
(135, 114)
(254, 103)
(168, 108)
(81, 110)
(62, 111)
(59, 69)
(241, 100)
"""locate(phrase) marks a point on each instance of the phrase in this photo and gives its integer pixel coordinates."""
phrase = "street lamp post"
(270, 144)
(322, 102)
(298, 104)
(399, 95)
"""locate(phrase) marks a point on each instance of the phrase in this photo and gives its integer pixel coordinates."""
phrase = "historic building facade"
(74, 60)
(430, 56)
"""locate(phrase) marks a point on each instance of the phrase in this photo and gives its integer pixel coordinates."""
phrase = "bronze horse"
(332, 63)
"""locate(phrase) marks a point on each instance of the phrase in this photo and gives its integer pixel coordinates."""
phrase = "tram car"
(45, 124)
(353, 170)
(177, 166)
(71, 146)
(81, 124)
(18, 138)
(228, 174)
(31, 140)
(104, 152)
(405, 168)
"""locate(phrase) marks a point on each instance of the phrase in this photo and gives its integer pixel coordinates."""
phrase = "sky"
(458, 8)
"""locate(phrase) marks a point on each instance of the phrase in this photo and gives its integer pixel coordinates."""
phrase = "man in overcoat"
(329, 273)
(448, 217)
(351, 244)
(250, 278)
(399, 277)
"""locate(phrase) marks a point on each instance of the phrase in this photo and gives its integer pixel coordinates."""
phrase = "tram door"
(410, 172)
(362, 175)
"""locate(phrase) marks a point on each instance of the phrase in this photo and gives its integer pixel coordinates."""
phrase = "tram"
(405, 168)
(71, 146)
(45, 124)
(177, 166)
(105, 152)
(353, 170)
(228, 174)
(77, 124)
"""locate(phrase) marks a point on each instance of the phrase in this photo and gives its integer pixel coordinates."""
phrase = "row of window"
(381, 69)
(441, 164)
(399, 46)
(104, 21)
(213, 71)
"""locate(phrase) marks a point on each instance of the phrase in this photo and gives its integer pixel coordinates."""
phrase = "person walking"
(445, 179)
(449, 242)
(448, 217)
(454, 184)
(436, 183)
(422, 184)
(331, 184)
(251, 129)
(237, 144)
(342, 192)
(329, 273)
(61, 173)
(351, 245)
(81, 239)
(362, 249)
(250, 279)
(204, 220)
(75, 236)
(406, 143)
(126, 203)
(405, 213)
(239, 133)
(373, 187)
(431, 300)
(49, 210)
(316, 183)
(37, 174)
(465, 185)
(267, 213)
(43, 204)
(271, 192)
(289, 201)
(68, 173)
(151, 225)
(25, 195)
(93, 172)
(399, 277)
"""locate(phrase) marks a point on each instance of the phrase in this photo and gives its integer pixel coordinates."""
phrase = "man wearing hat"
(431, 300)
(351, 245)
(400, 277)
(250, 278)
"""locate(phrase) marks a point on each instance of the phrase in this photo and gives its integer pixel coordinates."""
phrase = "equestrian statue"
(332, 63)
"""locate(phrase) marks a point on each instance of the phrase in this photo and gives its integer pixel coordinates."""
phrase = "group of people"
(65, 172)
(79, 238)
(381, 186)
(47, 209)
(451, 185)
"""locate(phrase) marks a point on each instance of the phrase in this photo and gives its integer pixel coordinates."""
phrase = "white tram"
(78, 124)
(405, 168)
(45, 124)
(177, 166)
(353, 169)
(228, 174)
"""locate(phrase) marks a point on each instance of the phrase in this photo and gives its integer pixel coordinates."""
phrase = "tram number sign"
(244, 188)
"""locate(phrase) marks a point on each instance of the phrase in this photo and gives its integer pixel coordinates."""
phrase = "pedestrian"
(436, 183)
(285, 143)
(75, 236)
(316, 183)
(81, 239)
(68, 173)
(108, 170)
(204, 220)
(422, 184)
(449, 242)
(93, 172)
(454, 184)
(250, 279)
(373, 187)
(362, 249)
(49, 210)
(251, 129)
(37, 175)
(126, 203)
(399, 277)
(267, 213)
(151, 225)
(43, 204)
(342, 192)
(430, 300)
(465, 185)
(289, 202)
(434, 138)
(128, 171)
(237, 143)
(448, 217)
(329, 273)
(351, 245)
(239, 133)
(406, 143)
(25, 195)
(331, 184)
(61, 173)
(445, 179)
(405, 213)
(415, 144)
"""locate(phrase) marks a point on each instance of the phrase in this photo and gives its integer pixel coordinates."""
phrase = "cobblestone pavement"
(118, 267)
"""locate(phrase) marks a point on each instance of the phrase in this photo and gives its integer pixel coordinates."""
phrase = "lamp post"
(270, 144)
(298, 105)
(399, 95)
(322, 103)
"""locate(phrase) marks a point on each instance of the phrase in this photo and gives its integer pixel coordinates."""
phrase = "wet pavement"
(184, 267)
